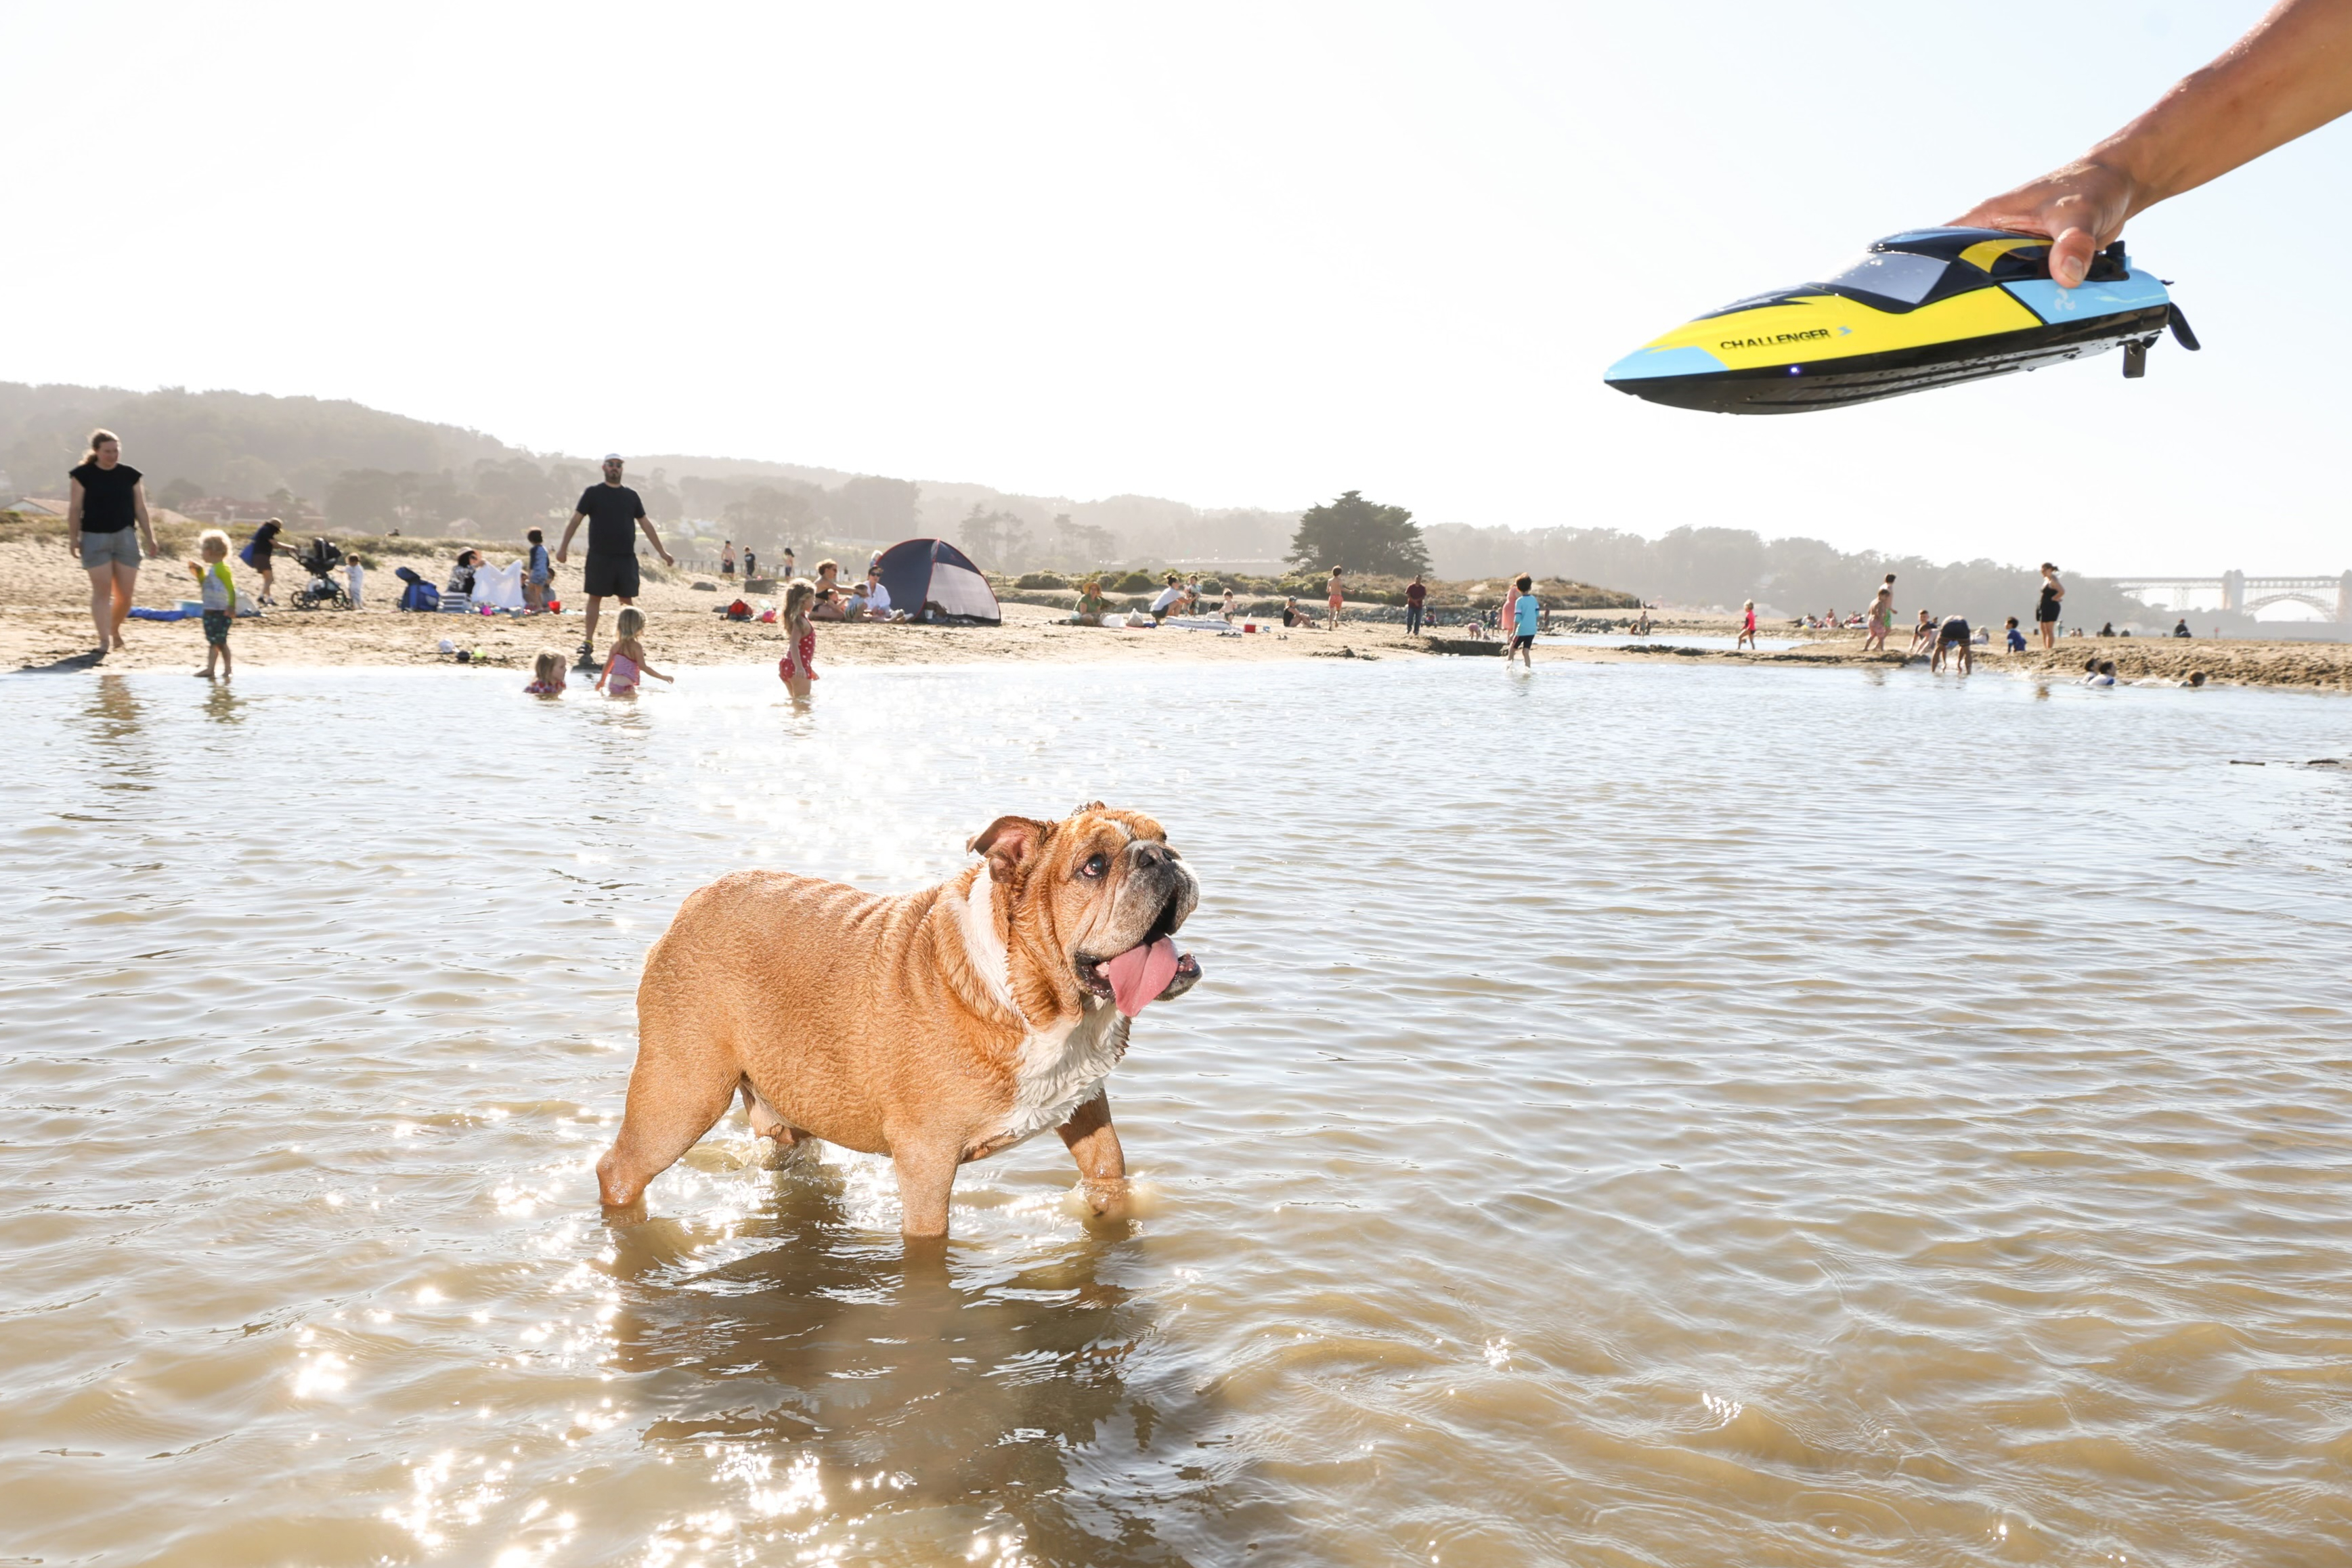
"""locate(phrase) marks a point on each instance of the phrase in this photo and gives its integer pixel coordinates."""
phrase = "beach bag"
(245, 555)
(419, 594)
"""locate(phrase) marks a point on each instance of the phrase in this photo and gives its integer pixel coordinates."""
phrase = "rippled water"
(1632, 1116)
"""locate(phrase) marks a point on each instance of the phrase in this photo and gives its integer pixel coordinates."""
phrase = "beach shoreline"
(45, 625)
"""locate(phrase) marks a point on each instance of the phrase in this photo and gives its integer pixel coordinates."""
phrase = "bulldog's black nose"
(1150, 854)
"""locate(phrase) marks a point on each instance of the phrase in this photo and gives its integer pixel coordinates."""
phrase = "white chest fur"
(1060, 1068)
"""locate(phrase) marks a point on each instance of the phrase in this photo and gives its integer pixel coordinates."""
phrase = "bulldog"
(935, 1028)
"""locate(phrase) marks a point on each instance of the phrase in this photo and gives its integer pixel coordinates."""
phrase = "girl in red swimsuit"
(798, 667)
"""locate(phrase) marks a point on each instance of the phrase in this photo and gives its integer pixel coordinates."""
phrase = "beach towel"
(139, 612)
(499, 587)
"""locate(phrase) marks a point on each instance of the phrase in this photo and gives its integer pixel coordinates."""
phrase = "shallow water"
(1632, 1116)
(1661, 639)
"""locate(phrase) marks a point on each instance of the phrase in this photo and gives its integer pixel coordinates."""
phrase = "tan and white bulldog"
(935, 1028)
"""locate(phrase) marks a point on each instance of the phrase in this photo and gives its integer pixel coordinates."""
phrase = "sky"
(1247, 255)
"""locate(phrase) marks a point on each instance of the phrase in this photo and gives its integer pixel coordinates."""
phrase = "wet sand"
(44, 625)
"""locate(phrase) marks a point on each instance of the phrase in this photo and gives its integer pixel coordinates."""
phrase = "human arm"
(73, 515)
(606, 671)
(563, 549)
(2289, 75)
(139, 511)
(647, 524)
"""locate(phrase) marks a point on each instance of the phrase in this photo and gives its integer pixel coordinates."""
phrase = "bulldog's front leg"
(1102, 1165)
(926, 1182)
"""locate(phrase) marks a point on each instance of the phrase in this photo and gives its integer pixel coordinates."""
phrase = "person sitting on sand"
(1952, 636)
(547, 676)
(1746, 628)
(831, 602)
(626, 658)
(2107, 630)
(1294, 614)
(1092, 605)
(461, 576)
(2182, 629)
(876, 596)
(2016, 638)
(1166, 602)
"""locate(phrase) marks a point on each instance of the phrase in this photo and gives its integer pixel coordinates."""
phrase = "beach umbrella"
(931, 580)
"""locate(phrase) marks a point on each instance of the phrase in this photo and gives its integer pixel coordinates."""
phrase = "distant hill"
(371, 471)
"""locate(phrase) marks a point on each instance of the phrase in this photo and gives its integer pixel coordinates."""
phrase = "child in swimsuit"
(1746, 628)
(547, 676)
(626, 661)
(798, 667)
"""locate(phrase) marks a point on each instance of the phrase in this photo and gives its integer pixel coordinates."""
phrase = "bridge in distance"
(2331, 596)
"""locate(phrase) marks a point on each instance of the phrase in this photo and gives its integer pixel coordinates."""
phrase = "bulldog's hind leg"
(674, 1097)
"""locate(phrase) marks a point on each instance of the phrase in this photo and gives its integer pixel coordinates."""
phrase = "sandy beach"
(44, 625)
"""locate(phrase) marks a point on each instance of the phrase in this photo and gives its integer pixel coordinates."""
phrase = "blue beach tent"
(934, 582)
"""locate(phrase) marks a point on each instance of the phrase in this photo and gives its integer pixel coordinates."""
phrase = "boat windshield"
(1891, 275)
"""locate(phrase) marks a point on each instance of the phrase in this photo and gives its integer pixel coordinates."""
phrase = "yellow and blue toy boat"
(1923, 309)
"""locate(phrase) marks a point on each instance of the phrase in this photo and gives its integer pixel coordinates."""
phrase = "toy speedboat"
(1923, 309)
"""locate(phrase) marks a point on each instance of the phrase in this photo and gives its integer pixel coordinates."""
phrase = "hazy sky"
(1247, 255)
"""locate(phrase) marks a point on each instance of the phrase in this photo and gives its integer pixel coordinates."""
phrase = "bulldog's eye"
(1094, 868)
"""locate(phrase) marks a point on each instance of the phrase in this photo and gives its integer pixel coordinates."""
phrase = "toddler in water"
(798, 667)
(626, 661)
(219, 589)
(547, 676)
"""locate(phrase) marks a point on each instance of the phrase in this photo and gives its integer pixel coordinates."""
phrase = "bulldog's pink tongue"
(1140, 974)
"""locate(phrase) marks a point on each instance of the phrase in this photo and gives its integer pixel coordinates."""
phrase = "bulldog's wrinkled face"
(1089, 906)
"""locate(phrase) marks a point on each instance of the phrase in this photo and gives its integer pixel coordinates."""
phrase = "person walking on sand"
(2045, 614)
(1882, 617)
(260, 553)
(1416, 596)
(105, 522)
(726, 559)
(614, 514)
(1746, 628)
(1336, 598)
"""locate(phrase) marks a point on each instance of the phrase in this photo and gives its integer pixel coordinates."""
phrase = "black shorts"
(608, 576)
(1953, 638)
(2045, 616)
(1525, 639)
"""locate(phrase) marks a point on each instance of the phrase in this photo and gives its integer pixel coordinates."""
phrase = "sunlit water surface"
(1632, 1116)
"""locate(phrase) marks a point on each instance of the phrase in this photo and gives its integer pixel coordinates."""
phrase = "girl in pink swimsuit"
(798, 667)
(626, 661)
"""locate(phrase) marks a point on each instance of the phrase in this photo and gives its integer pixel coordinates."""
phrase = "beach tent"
(931, 580)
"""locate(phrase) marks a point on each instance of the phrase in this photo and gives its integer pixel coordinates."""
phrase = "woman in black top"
(2045, 614)
(106, 502)
(260, 553)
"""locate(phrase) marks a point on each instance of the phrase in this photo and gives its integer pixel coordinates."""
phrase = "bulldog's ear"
(1009, 841)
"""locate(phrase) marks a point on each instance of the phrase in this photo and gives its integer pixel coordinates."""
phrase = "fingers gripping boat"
(1922, 310)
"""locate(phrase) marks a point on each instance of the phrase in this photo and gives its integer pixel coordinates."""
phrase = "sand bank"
(44, 625)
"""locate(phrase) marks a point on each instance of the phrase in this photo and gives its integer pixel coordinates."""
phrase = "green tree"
(1361, 536)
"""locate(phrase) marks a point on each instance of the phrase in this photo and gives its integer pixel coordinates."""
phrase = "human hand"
(667, 559)
(2082, 207)
(563, 553)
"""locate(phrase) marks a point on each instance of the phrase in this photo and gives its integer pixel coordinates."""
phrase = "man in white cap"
(614, 514)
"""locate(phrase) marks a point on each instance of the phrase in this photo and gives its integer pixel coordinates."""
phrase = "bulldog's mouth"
(1151, 970)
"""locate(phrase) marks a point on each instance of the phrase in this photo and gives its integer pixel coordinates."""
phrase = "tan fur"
(870, 1021)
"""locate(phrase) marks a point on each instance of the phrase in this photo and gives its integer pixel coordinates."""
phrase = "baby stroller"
(320, 560)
